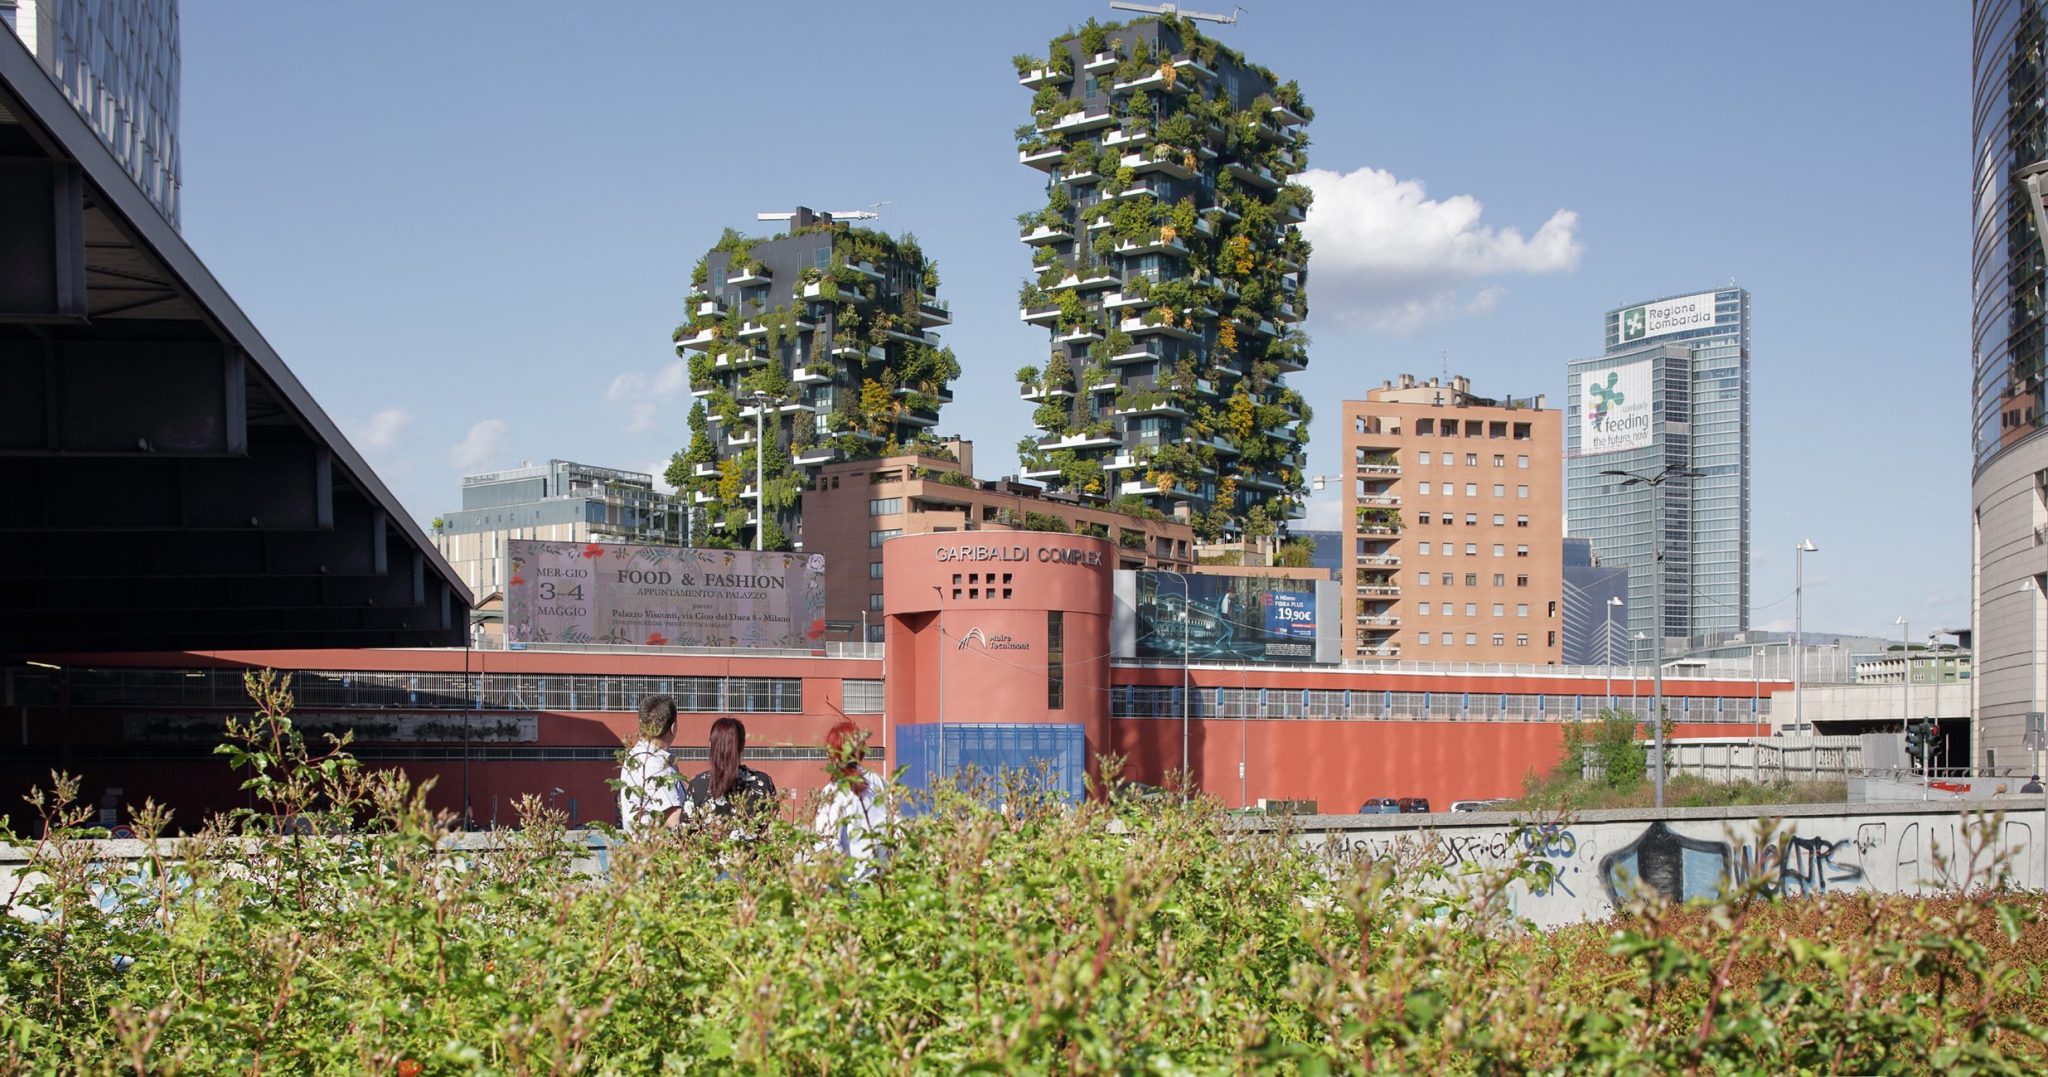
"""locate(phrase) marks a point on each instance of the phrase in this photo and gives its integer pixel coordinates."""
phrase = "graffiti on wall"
(1565, 872)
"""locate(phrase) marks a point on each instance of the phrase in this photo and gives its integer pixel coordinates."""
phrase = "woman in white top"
(648, 796)
(853, 809)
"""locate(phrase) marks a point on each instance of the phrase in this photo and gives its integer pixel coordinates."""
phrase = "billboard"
(1667, 316)
(1614, 408)
(1229, 618)
(662, 596)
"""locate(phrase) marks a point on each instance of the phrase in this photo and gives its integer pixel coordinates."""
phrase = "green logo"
(1632, 324)
(1605, 398)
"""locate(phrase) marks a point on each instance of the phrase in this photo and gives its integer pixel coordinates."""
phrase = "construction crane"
(873, 212)
(1169, 9)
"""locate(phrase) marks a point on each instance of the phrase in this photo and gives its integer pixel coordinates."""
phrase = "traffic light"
(1920, 739)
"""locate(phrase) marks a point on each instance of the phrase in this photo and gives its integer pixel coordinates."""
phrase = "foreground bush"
(336, 931)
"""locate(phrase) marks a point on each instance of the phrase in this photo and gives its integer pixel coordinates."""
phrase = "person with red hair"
(852, 808)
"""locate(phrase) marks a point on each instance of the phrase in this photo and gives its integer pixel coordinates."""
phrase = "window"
(1055, 660)
(875, 601)
(885, 506)
(1471, 579)
(1422, 548)
(1422, 609)
(1499, 520)
(876, 538)
(1499, 639)
(1550, 639)
(1471, 459)
(1471, 609)
(1450, 461)
(1499, 460)
(1422, 638)
(1425, 427)
(1422, 517)
(1500, 490)
(1422, 579)
(1521, 609)
(1471, 549)
(1499, 610)
(1522, 462)
(1521, 491)
(1449, 579)
(1471, 489)
(1422, 488)
(1521, 581)
(861, 697)
(1521, 639)
(1425, 458)
(1471, 639)
(874, 570)
(1500, 549)
(1499, 580)
(1521, 521)
(1521, 551)
(1471, 519)
(1550, 609)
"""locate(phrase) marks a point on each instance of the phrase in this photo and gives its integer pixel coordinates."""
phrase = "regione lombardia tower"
(1670, 390)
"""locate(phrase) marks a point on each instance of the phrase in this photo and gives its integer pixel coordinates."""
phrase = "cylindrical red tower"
(998, 626)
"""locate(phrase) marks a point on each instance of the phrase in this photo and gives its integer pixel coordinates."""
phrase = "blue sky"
(469, 227)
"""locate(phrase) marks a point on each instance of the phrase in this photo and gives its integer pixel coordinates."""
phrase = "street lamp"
(762, 401)
(1906, 691)
(1799, 553)
(1656, 484)
(1613, 603)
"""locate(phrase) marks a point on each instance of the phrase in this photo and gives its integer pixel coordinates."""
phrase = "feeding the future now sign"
(1614, 409)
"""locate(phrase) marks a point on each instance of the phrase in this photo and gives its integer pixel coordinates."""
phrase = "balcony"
(1121, 137)
(1033, 392)
(933, 311)
(1379, 590)
(1286, 311)
(1388, 651)
(1100, 62)
(1384, 561)
(1043, 76)
(873, 353)
(1139, 326)
(918, 417)
(1139, 353)
(1041, 234)
(1046, 316)
(1160, 159)
(1084, 335)
(1379, 469)
(816, 455)
(1117, 300)
(1153, 245)
(1042, 160)
(1260, 176)
(1373, 620)
(748, 276)
(1085, 120)
(812, 375)
(1082, 441)
(1164, 407)
(1287, 117)
(710, 308)
(1194, 68)
(1120, 462)
(697, 341)
(704, 471)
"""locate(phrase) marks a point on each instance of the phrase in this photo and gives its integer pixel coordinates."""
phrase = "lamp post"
(1799, 553)
(762, 401)
(1656, 483)
(1607, 653)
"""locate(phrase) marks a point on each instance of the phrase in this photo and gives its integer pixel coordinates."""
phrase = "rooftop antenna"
(1169, 9)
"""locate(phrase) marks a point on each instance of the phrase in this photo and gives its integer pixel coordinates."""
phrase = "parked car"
(1476, 805)
(1414, 805)
(1380, 806)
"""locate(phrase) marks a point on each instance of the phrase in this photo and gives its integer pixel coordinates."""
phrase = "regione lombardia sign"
(662, 596)
(1667, 316)
(1614, 409)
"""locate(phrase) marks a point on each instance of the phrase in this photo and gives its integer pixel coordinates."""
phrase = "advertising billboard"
(1227, 618)
(1614, 408)
(1667, 316)
(662, 596)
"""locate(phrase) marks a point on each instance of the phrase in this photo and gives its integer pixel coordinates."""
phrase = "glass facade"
(1699, 420)
(2008, 133)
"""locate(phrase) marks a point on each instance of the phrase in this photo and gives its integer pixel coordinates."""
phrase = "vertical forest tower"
(1168, 271)
(819, 338)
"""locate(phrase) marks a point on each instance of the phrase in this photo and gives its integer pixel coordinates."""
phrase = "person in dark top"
(730, 789)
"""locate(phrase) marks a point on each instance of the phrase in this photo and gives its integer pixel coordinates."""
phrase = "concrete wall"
(1583, 869)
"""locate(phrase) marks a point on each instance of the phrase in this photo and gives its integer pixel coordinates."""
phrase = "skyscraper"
(2009, 454)
(117, 63)
(829, 323)
(1668, 403)
(1168, 268)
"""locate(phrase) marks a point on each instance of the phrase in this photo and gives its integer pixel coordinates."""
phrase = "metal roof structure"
(166, 483)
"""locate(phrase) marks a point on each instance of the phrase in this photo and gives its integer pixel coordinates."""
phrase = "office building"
(853, 507)
(1667, 402)
(1452, 542)
(819, 339)
(116, 61)
(2009, 454)
(1167, 269)
(1595, 629)
(559, 501)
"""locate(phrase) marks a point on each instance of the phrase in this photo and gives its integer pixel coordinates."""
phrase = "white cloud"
(482, 445)
(382, 430)
(1390, 257)
(659, 469)
(644, 394)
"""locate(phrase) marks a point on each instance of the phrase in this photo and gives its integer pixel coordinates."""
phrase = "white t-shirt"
(647, 787)
(853, 822)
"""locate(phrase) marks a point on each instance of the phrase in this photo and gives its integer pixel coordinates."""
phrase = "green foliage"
(1296, 552)
(334, 927)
